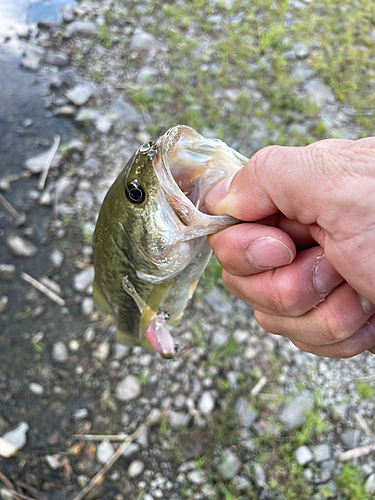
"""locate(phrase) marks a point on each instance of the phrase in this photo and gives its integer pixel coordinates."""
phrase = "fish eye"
(145, 147)
(135, 193)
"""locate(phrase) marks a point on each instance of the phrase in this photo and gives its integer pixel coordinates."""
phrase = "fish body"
(151, 233)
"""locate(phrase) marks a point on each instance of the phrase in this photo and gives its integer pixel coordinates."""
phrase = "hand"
(307, 265)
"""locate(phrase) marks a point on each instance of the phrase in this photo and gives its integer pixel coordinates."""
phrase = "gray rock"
(120, 351)
(70, 77)
(321, 452)
(241, 336)
(136, 468)
(128, 389)
(36, 389)
(125, 113)
(80, 94)
(80, 414)
(57, 258)
(64, 187)
(142, 41)
(319, 92)
(143, 439)
(56, 59)
(84, 279)
(146, 74)
(21, 247)
(66, 110)
(67, 13)
(196, 477)
(30, 62)
(103, 125)
(206, 403)
(350, 438)
(87, 306)
(37, 164)
(245, 413)
(7, 271)
(104, 451)
(303, 455)
(81, 28)
(92, 164)
(220, 338)
(86, 115)
(3, 303)
(102, 352)
(131, 449)
(230, 465)
(17, 436)
(370, 484)
(52, 462)
(60, 352)
(301, 50)
(302, 73)
(218, 303)
(178, 419)
(339, 412)
(294, 413)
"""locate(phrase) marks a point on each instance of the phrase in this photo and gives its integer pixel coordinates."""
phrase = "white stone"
(206, 403)
(36, 388)
(21, 247)
(59, 352)
(52, 462)
(128, 388)
(303, 455)
(104, 451)
(136, 468)
(7, 449)
(17, 436)
(74, 345)
(102, 351)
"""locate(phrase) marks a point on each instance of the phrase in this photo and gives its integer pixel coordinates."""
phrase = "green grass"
(365, 390)
(351, 484)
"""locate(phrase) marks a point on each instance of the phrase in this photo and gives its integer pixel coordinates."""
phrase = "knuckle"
(335, 329)
(287, 298)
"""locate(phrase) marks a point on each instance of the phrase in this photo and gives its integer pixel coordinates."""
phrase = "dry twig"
(363, 425)
(39, 286)
(9, 486)
(17, 495)
(20, 218)
(100, 437)
(259, 386)
(152, 420)
(361, 451)
(43, 177)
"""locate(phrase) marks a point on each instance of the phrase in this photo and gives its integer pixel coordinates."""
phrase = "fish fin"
(175, 320)
(192, 288)
(100, 301)
(152, 305)
(124, 338)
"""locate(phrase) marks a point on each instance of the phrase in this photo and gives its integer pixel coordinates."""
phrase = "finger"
(363, 339)
(246, 249)
(287, 291)
(300, 233)
(334, 320)
(367, 142)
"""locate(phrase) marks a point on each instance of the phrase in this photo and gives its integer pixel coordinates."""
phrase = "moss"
(351, 484)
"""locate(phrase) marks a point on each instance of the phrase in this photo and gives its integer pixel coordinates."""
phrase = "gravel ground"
(250, 416)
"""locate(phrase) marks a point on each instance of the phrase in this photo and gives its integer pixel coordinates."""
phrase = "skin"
(307, 265)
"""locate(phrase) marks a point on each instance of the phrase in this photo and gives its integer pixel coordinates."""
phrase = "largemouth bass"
(150, 240)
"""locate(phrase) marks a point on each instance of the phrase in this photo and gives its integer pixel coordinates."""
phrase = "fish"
(150, 243)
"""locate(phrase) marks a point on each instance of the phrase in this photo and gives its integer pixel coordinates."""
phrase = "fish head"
(160, 200)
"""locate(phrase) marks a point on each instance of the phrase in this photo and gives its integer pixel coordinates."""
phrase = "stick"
(363, 425)
(17, 495)
(259, 386)
(152, 420)
(51, 295)
(8, 484)
(99, 437)
(20, 218)
(355, 453)
(43, 177)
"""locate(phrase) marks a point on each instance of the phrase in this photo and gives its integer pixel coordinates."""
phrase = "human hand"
(307, 265)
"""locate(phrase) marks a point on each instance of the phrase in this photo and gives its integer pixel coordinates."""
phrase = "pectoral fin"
(152, 306)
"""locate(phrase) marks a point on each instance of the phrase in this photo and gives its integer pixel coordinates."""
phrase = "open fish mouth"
(188, 166)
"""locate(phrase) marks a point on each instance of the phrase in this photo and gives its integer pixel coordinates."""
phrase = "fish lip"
(194, 222)
(181, 205)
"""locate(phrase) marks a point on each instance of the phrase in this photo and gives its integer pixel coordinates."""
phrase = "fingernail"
(218, 192)
(325, 276)
(268, 252)
(367, 306)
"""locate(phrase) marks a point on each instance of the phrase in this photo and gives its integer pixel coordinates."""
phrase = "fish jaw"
(188, 166)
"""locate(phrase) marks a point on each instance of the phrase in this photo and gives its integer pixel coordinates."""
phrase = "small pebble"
(136, 468)
(36, 388)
